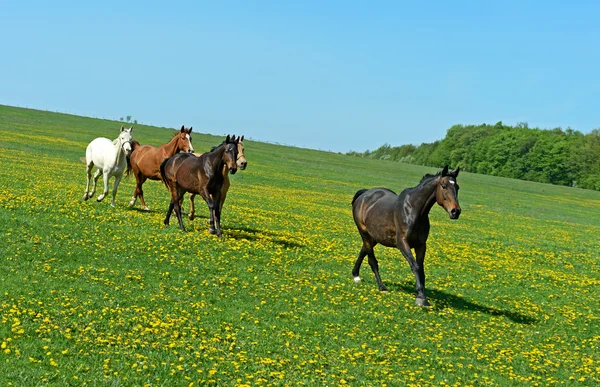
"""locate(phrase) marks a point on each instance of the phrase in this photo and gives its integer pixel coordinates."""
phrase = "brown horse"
(145, 160)
(241, 162)
(402, 221)
(201, 175)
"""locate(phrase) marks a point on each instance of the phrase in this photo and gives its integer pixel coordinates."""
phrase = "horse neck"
(170, 148)
(119, 151)
(423, 198)
(216, 159)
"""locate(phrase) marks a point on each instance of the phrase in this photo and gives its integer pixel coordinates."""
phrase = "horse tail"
(163, 173)
(357, 194)
(134, 144)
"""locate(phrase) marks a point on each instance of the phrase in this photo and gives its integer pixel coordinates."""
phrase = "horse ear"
(190, 130)
(242, 139)
(455, 173)
(131, 130)
(122, 128)
(228, 138)
(445, 171)
(182, 128)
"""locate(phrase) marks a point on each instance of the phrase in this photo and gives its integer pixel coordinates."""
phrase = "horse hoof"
(357, 279)
(132, 203)
(191, 217)
(146, 209)
(85, 197)
(422, 302)
(112, 205)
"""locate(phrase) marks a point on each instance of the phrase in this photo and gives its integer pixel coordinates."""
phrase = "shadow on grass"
(444, 299)
(253, 234)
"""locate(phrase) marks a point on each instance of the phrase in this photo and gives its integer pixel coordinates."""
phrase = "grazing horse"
(402, 221)
(201, 175)
(145, 160)
(241, 162)
(109, 157)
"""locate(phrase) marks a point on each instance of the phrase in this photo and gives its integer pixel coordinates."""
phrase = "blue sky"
(331, 75)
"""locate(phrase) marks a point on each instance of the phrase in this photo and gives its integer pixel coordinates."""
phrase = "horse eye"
(443, 186)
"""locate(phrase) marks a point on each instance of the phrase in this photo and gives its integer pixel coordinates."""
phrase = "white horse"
(110, 157)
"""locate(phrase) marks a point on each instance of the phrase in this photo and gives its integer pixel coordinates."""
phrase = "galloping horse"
(402, 221)
(241, 162)
(201, 175)
(145, 160)
(109, 157)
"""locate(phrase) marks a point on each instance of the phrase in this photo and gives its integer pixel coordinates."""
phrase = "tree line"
(563, 157)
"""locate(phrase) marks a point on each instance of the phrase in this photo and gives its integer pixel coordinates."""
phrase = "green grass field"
(95, 295)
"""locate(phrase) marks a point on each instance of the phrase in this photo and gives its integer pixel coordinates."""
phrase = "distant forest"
(563, 157)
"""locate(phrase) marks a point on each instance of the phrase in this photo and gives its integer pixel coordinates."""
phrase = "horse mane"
(216, 146)
(429, 176)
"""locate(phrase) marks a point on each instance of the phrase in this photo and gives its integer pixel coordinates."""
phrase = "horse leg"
(171, 205)
(140, 193)
(224, 189)
(417, 269)
(88, 175)
(192, 213)
(211, 203)
(169, 212)
(105, 177)
(375, 267)
(177, 206)
(420, 253)
(115, 187)
(359, 261)
(222, 201)
(217, 213)
(96, 176)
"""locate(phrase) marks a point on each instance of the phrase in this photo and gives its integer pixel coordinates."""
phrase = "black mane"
(429, 176)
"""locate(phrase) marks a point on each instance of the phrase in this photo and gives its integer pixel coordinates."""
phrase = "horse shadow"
(252, 234)
(444, 299)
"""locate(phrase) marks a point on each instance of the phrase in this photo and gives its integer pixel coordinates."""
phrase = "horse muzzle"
(454, 213)
(233, 170)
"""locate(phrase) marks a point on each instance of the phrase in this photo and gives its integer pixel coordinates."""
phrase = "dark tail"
(163, 175)
(134, 144)
(358, 193)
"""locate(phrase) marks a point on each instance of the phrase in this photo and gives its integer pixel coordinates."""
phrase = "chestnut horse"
(402, 221)
(201, 175)
(145, 160)
(241, 162)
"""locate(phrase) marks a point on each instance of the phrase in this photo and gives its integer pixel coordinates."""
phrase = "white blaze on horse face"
(452, 182)
(190, 141)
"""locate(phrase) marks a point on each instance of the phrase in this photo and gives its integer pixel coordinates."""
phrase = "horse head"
(230, 154)
(447, 192)
(184, 140)
(241, 159)
(125, 139)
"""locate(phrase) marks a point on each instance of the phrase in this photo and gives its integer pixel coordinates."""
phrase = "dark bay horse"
(241, 162)
(402, 221)
(202, 176)
(145, 160)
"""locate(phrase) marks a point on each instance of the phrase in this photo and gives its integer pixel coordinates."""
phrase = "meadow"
(95, 295)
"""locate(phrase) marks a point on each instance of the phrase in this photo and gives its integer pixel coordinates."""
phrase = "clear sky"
(330, 75)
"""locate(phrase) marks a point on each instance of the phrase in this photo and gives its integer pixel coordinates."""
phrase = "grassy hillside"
(95, 295)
